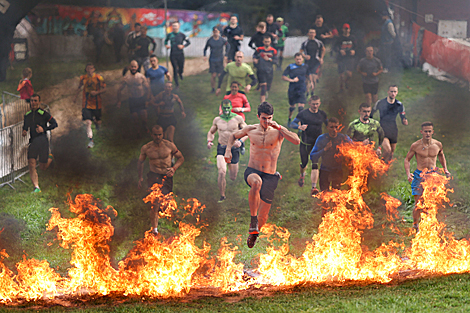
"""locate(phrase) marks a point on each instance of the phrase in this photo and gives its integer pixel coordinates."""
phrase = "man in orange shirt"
(93, 86)
(239, 101)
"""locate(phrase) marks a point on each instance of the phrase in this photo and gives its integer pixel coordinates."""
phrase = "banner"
(74, 20)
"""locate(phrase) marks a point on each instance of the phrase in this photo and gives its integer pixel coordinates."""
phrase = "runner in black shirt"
(346, 48)
(297, 75)
(265, 57)
(313, 51)
(310, 122)
(234, 35)
(256, 40)
(178, 41)
(216, 60)
(38, 122)
(389, 108)
(142, 45)
(273, 28)
(323, 32)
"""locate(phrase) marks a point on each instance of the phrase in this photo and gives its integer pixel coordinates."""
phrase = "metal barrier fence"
(12, 110)
(13, 146)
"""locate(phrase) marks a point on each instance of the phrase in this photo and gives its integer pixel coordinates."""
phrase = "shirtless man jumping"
(160, 152)
(227, 123)
(266, 140)
(426, 150)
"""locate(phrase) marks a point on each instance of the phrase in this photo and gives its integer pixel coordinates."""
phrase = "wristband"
(279, 127)
(243, 110)
(209, 140)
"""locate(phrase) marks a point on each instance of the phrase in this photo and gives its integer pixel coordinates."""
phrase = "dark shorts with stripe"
(314, 68)
(166, 120)
(390, 132)
(89, 114)
(235, 153)
(269, 185)
(136, 104)
(370, 88)
(155, 178)
(39, 147)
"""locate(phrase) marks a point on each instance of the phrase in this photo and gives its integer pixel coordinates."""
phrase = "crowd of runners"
(151, 85)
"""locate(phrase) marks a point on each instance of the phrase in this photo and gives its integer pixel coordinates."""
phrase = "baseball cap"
(346, 25)
(279, 19)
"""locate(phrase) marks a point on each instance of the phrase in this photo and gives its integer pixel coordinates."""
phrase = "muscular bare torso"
(265, 146)
(135, 84)
(159, 155)
(227, 128)
(426, 155)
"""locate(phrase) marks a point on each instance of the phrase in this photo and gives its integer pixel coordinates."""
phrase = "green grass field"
(109, 172)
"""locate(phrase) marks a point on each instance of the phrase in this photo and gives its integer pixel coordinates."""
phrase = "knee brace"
(299, 108)
(263, 90)
(291, 109)
(314, 166)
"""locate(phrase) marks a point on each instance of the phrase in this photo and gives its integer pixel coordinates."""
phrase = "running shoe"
(213, 90)
(301, 181)
(91, 144)
(314, 192)
(36, 190)
(253, 235)
(181, 76)
(222, 199)
(288, 122)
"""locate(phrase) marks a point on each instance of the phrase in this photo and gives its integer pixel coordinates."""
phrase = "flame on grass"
(336, 253)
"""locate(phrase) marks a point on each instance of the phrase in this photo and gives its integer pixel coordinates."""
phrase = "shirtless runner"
(160, 152)
(227, 123)
(426, 150)
(266, 140)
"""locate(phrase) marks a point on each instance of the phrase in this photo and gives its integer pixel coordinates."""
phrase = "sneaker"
(222, 199)
(213, 90)
(288, 122)
(301, 181)
(267, 95)
(253, 235)
(181, 76)
(36, 190)
(91, 144)
(314, 192)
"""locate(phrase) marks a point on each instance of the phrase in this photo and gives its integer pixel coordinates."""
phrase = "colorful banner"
(73, 20)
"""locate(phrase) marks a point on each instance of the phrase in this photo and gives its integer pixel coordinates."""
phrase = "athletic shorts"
(346, 65)
(154, 178)
(270, 182)
(39, 147)
(416, 189)
(314, 68)
(235, 153)
(265, 77)
(137, 104)
(278, 48)
(390, 132)
(297, 95)
(216, 66)
(370, 88)
(89, 114)
(166, 120)
(334, 177)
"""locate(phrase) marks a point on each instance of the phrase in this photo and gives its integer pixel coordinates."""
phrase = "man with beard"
(388, 109)
(164, 102)
(426, 150)
(265, 145)
(156, 75)
(160, 153)
(234, 34)
(226, 124)
(139, 93)
(363, 128)
(38, 122)
(142, 52)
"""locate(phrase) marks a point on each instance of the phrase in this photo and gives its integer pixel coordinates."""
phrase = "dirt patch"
(68, 114)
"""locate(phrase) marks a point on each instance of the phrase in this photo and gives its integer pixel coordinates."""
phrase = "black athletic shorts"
(235, 153)
(390, 132)
(280, 48)
(39, 147)
(297, 95)
(89, 114)
(166, 120)
(265, 77)
(314, 68)
(334, 177)
(270, 182)
(137, 104)
(370, 88)
(346, 65)
(216, 66)
(154, 178)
